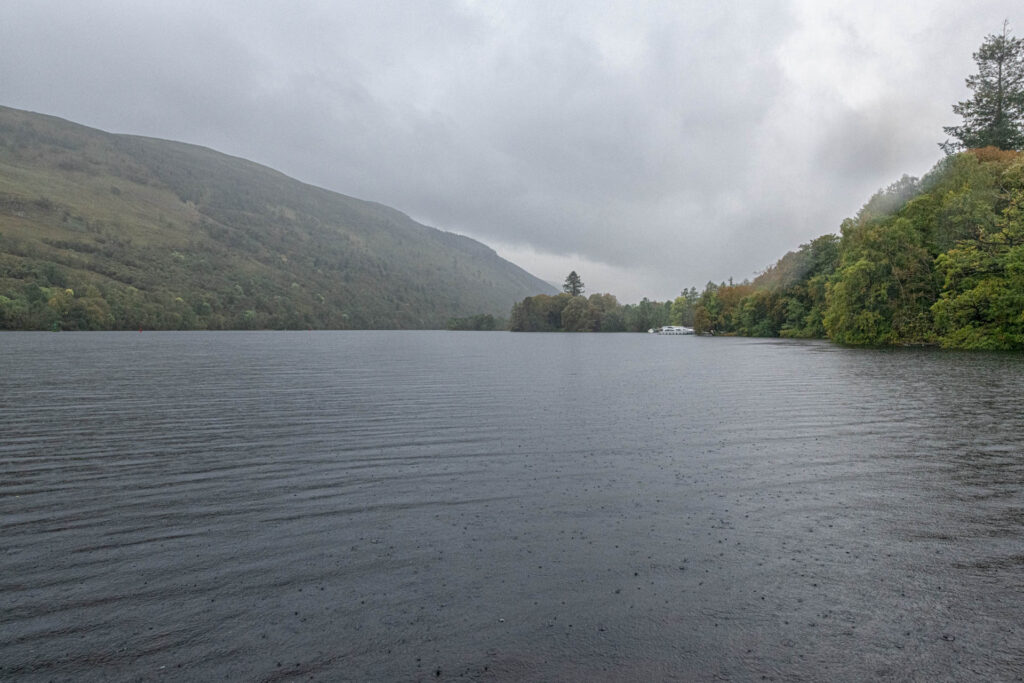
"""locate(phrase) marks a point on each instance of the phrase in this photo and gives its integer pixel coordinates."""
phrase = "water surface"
(493, 506)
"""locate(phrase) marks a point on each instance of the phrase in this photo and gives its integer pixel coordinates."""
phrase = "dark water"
(488, 506)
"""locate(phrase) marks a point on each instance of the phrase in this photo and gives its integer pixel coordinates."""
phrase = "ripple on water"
(353, 506)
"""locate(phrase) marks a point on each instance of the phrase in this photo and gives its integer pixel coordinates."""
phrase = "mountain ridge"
(172, 235)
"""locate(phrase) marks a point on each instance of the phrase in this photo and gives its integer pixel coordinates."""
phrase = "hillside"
(935, 261)
(103, 231)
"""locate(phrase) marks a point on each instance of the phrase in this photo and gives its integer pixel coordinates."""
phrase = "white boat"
(674, 329)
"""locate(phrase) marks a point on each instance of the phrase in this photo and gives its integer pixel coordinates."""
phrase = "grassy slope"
(162, 234)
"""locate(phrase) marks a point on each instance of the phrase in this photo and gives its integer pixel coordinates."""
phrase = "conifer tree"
(995, 115)
(573, 284)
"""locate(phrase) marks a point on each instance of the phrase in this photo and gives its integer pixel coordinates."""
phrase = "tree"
(995, 115)
(683, 307)
(884, 289)
(983, 293)
(647, 315)
(605, 313)
(576, 316)
(573, 284)
(539, 313)
(701, 320)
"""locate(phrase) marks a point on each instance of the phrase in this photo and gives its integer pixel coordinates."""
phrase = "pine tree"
(573, 284)
(995, 115)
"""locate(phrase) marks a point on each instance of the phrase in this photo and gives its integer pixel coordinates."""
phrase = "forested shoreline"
(101, 231)
(596, 313)
(932, 261)
(936, 261)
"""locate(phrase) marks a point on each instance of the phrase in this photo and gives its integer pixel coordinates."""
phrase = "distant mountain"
(103, 231)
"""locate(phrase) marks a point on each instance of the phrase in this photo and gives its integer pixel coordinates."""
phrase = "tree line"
(571, 311)
(932, 261)
(937, 260)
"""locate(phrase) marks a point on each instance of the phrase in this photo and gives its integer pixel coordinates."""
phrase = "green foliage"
(982, 302)
(939, 260)
(935, 260)
(728, 300)
(540, 313)
(994, 116)
(646, 315)
(598, 313)
(960, 198)
(573, 285)
(885, 203)
(701, 320)
(576, 316)
(605, 313)
(884, 287)
(161, 235)
(684, 307)
(787, 300)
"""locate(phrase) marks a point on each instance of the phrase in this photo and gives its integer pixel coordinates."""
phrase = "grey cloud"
(672, 141)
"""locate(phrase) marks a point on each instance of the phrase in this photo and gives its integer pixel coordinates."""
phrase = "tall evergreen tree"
(573, 284)
(995, 115)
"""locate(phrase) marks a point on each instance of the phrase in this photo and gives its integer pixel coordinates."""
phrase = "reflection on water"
(489, 506)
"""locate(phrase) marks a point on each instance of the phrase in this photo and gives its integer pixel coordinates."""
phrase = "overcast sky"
(650, 146)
